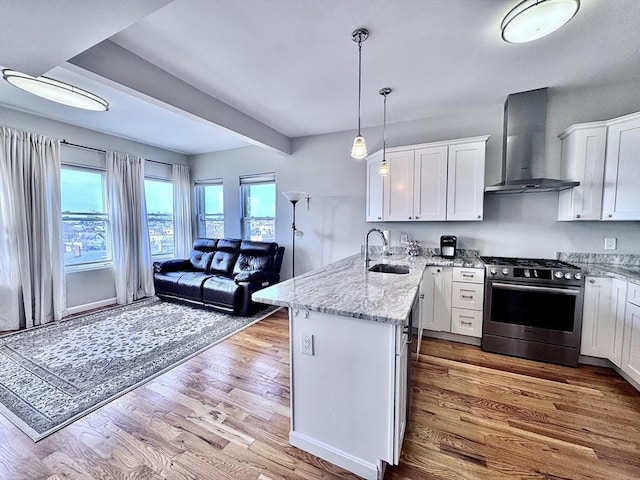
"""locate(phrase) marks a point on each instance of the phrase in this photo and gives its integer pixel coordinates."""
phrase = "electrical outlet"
(307, 344)
(610, 243)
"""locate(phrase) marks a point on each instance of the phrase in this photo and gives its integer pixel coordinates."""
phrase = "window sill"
(87, 267)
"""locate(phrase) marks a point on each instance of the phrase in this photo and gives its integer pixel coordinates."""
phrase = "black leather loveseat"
(220, 273)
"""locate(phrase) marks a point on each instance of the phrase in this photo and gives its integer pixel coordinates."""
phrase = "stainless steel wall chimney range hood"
(523, 146)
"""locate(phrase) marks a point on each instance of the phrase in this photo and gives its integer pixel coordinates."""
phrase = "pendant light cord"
(384, 130)
(359, 80)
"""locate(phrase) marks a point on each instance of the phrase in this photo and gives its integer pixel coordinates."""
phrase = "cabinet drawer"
(466, 322)
(633, 293)
(470, 275)
(467, 295)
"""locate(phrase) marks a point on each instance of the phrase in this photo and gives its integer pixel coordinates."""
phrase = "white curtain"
(31, 262)
(182, 194)
(130, 235)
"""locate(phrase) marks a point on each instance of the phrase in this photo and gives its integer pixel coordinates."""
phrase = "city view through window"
(259, 212)
(210, 205)
(159, 196)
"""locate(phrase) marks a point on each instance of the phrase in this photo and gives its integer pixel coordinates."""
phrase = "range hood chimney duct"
(523, 146)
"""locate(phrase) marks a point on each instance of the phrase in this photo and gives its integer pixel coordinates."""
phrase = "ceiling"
(195, 76)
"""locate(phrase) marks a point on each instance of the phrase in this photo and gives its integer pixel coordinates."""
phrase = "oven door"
(539, 313)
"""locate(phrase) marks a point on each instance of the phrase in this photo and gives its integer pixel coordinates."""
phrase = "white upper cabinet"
(583, 150)
(429, 182)
(398, 187)
(465, 187)
(374, 189)
(621, 198)
(605, 158)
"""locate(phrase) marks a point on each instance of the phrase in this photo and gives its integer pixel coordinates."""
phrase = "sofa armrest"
(174, 265)
(256, 275)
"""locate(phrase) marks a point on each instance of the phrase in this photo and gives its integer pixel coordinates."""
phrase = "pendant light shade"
(383, 170)
(533, 19)
(359, 148)
(56, 91)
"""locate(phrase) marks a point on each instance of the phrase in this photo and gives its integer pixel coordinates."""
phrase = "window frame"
(96, 264)
(169, 255)
(268, 178)
(200, 207)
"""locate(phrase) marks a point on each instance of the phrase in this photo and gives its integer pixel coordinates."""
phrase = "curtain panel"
(182, 220)
(31, 260)
(129, 231)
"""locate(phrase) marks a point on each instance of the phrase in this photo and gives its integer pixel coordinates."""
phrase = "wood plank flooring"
(225, 415)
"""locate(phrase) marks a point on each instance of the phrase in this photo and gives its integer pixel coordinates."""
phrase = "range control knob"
(568, 276)
(558, 275)
(493, 271)
(577, 276)
(505, 271)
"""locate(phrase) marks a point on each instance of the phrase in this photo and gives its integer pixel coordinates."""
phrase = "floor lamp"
(294, 198)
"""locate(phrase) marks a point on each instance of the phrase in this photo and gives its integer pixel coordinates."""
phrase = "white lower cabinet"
(631, 340)
(452, 301)
(435, 297)
(603, 318)
(349, 393)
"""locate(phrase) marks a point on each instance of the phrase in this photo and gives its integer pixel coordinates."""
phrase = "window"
(85, 224)
(159, 198)
(258, 194)
(210, 209)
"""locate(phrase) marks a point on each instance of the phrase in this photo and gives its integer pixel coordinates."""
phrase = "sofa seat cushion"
(167, 282)
(221, 291)
(190, 285)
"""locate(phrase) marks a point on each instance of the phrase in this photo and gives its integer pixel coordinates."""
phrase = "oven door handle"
(530, 288)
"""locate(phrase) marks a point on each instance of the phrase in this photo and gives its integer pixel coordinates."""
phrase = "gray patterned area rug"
(52, 375)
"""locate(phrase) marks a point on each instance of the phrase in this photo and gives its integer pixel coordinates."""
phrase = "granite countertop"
(623, 267)
(346, 288)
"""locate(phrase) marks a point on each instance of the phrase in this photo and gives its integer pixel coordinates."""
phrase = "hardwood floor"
(225, 415)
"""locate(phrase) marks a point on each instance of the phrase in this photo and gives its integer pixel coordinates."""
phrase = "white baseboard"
(91, 306)
(333, 455)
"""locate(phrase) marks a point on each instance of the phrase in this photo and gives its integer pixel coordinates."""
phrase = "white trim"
(453, 337)
(333, 455)
(90, 306)
(442, 143)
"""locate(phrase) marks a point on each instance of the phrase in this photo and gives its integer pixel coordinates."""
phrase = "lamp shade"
(359, 148)
(533, 19)
(295, 196)
(56, 91)
(383, 170)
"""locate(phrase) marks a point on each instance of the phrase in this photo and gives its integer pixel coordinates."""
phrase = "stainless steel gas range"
(533, 309)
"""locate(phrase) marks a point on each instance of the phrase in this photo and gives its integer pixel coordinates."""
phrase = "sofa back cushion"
(255, 256)
(230, 245)
(223, 262)
(200, 260)
(205, 244)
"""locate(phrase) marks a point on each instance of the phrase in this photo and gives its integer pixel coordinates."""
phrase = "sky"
(82, 192)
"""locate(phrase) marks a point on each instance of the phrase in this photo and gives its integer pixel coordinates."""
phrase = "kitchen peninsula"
(349, 336)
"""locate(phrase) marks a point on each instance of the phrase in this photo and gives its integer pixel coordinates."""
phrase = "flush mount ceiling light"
(359, 148)
(384, 165)
(533, 19)
(56, 91)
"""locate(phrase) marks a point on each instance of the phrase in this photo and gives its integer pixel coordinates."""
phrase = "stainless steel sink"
(388, 268)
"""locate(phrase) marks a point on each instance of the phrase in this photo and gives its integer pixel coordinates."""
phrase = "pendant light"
(56, 91)
(533, 19)
(384, 165)
(359, 148)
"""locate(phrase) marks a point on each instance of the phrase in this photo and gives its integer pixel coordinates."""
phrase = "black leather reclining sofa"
(220, 273)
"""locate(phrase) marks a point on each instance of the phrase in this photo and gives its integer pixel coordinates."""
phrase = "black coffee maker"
(448, 246)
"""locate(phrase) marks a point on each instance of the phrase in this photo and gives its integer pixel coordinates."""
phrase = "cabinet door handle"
(479, 217)
(409, 218)
(422, 296)
(466, 296)
(417, 217)
(609, 215)
(578, 215)
(379, 218)
(591, 280)
(466, 323)
(468, 275)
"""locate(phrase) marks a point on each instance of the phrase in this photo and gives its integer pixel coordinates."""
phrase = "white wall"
(514, 225)
(88, 288)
